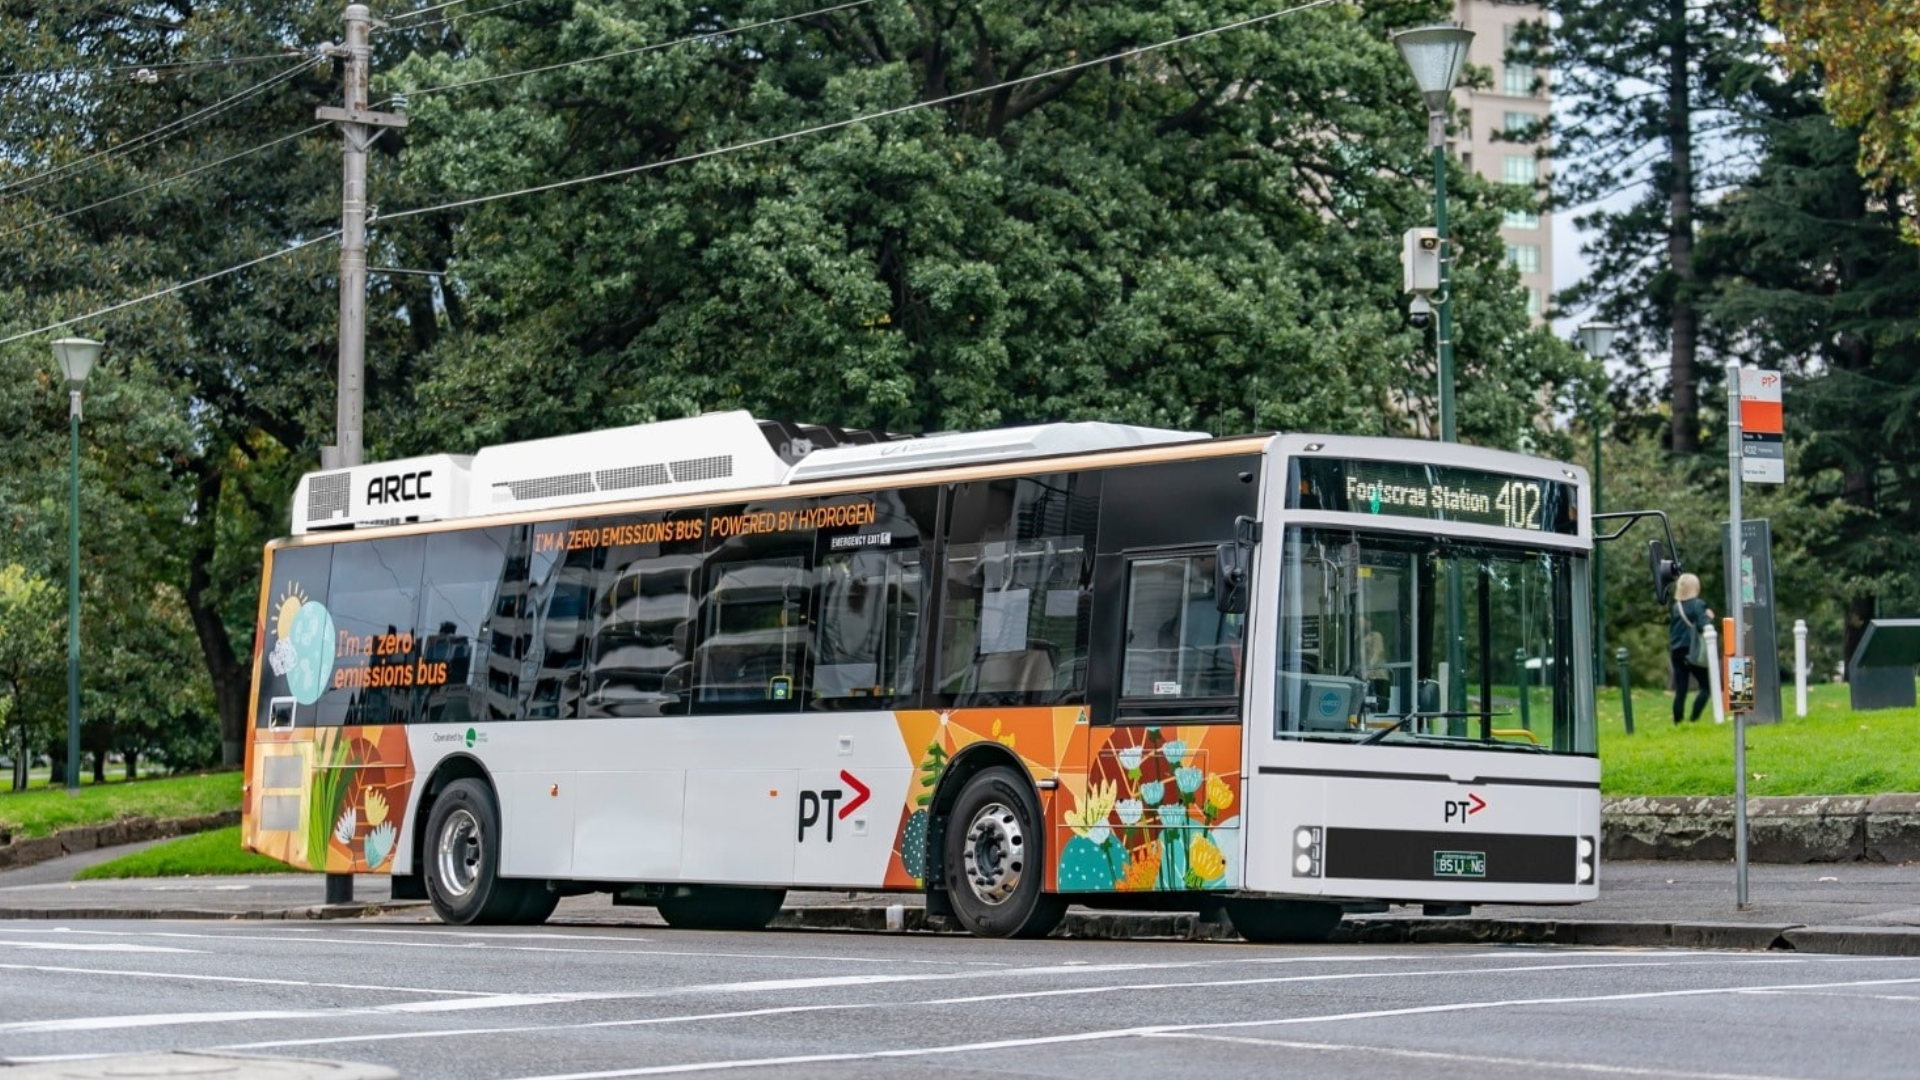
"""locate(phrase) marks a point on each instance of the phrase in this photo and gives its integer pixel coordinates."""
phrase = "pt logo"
(1462, 809)
(406, 487)
(814, 804)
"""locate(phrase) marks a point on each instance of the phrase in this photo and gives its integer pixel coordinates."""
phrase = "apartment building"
(1517, 100)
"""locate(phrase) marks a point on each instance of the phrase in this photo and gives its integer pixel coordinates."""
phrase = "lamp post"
(1436, 54)
(75, 357)
(1596, 340)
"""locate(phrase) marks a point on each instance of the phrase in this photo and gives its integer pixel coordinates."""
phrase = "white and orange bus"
(695, 664)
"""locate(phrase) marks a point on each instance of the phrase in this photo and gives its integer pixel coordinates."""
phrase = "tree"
(1869, 59)
(1200, 237)
(31, 624)
(1637, 84)
(1814, 279)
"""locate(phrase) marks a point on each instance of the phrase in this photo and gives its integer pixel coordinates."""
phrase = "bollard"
(1713, 673)
(1526, 687)
(1800, 668)
(1626, 689)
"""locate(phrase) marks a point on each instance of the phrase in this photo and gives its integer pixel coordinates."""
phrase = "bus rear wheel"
(1284, 922)
(723, 907)
(996, 859)
(462, 858)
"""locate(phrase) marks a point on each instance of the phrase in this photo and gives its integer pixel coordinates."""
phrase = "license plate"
(1460, 864)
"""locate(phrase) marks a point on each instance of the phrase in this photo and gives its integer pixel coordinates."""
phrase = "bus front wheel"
(1283, 922)
(996, 859)
(462, 857)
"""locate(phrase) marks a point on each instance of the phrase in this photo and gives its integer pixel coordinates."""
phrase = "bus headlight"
(1306, 851)
(1583, 861)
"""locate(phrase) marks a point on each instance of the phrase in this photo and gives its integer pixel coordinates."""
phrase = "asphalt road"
(432, 1001)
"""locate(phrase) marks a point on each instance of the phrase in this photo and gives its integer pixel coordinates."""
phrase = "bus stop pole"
(1736, 593)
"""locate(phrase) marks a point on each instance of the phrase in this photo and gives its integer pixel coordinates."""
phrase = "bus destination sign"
(1435, 493)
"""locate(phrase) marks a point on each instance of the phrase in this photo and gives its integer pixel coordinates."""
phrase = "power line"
(42, 179)
(160, 183)
(749, 145)
(174, 288)
(657, 46)
(445, 20)
(836, 125)
(708, 36)
(136, 69)
(425, 10)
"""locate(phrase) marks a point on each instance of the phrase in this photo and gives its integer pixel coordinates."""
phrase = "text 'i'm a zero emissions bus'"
(698, 663)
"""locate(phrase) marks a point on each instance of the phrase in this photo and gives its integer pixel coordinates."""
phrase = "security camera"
(1419, 312)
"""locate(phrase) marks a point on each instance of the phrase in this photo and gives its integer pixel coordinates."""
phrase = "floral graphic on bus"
(1151, 818)
(361, 779)
(303, 649)
(1136, 808)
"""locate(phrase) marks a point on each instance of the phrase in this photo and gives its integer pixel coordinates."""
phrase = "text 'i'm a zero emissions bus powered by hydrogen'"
(697, 663)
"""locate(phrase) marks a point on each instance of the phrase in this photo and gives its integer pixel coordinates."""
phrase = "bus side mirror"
(1230, 579)
(1666, 570)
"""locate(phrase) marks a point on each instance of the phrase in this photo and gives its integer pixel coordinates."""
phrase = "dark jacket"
(1678, 634)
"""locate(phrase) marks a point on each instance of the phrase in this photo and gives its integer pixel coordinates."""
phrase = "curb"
(1780, 829)
(1158, 926)
(132, 830)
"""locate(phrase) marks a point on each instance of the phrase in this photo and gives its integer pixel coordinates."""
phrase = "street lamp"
(1596, 340)
(1436, 54)
(75, 357)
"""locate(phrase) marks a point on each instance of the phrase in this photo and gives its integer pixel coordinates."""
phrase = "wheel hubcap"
(995, 853)
(459, 858)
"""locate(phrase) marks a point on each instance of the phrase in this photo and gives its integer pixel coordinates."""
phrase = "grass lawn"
(45, 811)
(208, 853)
(1832, 751)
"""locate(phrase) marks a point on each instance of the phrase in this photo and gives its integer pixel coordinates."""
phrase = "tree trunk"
(1684, 326)
(133, 764)
(231, 679)
(99, 766)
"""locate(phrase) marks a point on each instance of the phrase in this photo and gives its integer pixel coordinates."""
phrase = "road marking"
(972, 1000)
(1469, 1059)
(89, 946)
(1131, 1032)
(239, 979)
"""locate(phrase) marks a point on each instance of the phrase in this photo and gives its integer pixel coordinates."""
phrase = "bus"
(697, 663)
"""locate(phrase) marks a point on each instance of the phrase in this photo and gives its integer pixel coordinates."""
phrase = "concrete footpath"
(1860, 908)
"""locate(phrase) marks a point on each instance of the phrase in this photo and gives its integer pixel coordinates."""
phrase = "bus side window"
(753, 653)
(868, 628)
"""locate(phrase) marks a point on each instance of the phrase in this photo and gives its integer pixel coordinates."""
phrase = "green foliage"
(45, 811)
(1202, 237)
(215, 853)
(1833, 751)
(31, 624)
(1640, 90)
(1693, 491)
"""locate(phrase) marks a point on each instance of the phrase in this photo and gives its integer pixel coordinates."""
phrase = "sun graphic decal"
(287, 608)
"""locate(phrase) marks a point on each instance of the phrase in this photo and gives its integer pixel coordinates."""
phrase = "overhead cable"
(41, 179)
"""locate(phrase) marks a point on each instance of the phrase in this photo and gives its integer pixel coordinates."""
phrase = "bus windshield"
(1432, 641)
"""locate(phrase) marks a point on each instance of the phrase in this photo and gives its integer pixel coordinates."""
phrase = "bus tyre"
(463, 857)
(536, 903)
(996, 859)
(1283, 922)
(723, 907)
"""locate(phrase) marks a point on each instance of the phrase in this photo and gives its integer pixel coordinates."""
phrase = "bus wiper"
(1408, 718)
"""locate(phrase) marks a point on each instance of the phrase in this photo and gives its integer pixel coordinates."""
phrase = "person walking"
(1687, 648)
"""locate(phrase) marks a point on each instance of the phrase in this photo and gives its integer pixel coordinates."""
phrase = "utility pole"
(360, 126)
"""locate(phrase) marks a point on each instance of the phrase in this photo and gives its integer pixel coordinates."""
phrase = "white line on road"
(1130, 1032)
(1539, 1064)
(255, 981)
(1108, 988)
(92, 946)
